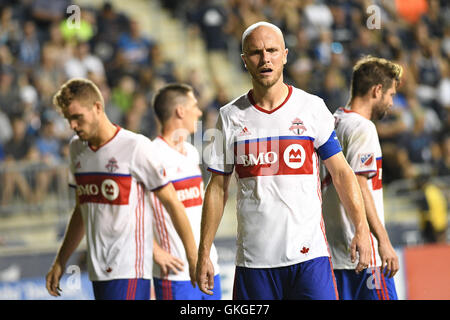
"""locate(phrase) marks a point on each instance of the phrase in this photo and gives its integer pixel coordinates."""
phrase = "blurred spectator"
(333, 92)
(319, 17)
(122, 94)
(220, 99)
(9, 28)
(210, 18)
(161, 66)
(62, 50)
(426, 69)
(433, 210)
(135, 47)
(110, 25)
(29, 47)
(83, 62)
(134, 117)
(443, 88)
(418, 142)
(50, 159)
(365, 44)
(9, 92)
(5, 130)
(49, 73)
(46, 12)
(300, 61)
(323, 48)
(20, 148)
(442, 167)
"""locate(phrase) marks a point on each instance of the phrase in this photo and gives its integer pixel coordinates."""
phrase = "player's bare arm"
(388, 256)
(74, 235)
(167, 262)
(349, 193)
(168, 197)
(216, 195)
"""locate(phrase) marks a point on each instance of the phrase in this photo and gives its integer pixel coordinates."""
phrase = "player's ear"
(243, 59)
(98, 106)
(377, 91)
(179, 111)
(285, 55)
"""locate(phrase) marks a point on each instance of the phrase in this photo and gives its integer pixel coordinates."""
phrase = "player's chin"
(81, 135)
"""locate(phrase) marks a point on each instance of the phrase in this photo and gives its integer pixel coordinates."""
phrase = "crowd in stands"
(39, 51)
(325, 38)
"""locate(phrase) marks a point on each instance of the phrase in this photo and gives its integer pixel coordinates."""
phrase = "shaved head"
(256, 25)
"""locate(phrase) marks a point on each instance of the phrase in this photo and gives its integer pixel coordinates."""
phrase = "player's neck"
(361, 106)
(175, 138)
(106, 131)
(272, 97)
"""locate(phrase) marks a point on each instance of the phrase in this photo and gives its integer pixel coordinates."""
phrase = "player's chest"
(292, 122)
(104, 162)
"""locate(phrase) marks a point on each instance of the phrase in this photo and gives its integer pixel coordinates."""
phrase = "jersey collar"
(101, 146)
(252, 101)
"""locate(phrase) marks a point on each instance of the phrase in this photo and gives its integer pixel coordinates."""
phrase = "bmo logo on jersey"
(274, 156)
(189, 190)
(110, 189)
(103, 188)
(262, 158)
(294, 156)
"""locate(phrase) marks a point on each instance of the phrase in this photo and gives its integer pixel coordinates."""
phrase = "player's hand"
(52, 279)
(192, 269)
(205, 275)
(389, 259)
(167, 262)
(361, 244)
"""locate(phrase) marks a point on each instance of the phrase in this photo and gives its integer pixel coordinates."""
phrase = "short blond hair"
(82, 90)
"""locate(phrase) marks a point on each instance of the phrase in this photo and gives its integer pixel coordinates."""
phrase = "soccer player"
(112, 169)
(272, 137)
(177, 110)
(373, 85)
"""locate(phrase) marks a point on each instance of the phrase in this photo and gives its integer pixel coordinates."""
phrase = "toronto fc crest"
(297, 126)
(112, 165)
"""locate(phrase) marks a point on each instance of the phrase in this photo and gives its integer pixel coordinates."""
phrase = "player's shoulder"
(306, 97)
(132, 138)
(240, 103)
(159, 142)
(191, 150)
(353, 120)
(352, 117)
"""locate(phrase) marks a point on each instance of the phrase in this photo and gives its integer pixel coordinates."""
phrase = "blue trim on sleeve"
(160, 187)
(219, 172)
(330, 148)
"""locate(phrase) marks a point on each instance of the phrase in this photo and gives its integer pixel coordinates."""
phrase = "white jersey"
(275, 158)
(361, 147)
(184, 173)
(111, 184)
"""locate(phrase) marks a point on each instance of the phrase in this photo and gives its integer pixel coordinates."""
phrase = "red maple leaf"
(304, 250)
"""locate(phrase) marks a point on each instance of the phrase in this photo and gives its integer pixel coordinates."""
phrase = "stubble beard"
(266, 83)
(379, 111)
